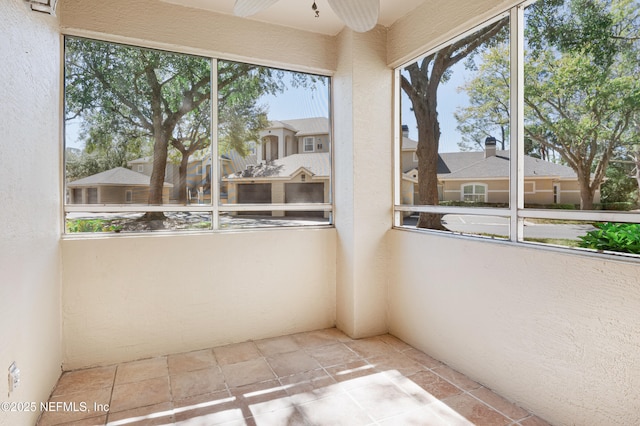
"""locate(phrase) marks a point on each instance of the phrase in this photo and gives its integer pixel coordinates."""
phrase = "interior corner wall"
(363, 133)
(554, 331)
(30, 215)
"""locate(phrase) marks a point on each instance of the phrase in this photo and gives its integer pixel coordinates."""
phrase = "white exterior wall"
(555, 332)
(30, 216)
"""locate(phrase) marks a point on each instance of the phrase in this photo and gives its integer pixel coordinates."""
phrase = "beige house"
(114, 186)
(291, 165)
(484, 177)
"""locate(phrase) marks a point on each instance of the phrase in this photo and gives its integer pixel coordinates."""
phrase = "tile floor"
(316, 378)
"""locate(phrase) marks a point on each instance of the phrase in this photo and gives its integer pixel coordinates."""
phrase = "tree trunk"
(182, 173)
(427, 152)
(586, 191)
(156, 184)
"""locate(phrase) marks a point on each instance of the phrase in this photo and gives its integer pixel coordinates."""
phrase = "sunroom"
(552, 329)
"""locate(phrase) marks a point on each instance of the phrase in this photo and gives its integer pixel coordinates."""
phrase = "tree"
(488, 112)
(581, 92)
(420, 82)
(132, 94)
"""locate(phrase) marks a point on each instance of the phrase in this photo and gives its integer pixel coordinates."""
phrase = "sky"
(299, 102)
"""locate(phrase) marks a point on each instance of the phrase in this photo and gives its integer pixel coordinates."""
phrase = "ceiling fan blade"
(359, 15)
(251, 7)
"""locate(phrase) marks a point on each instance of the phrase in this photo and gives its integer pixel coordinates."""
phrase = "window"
(122, 177)
(548, 128)
(308, 144)
(474, 193)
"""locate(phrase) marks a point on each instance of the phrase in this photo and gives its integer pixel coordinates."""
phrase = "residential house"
(114, 186)
(294, 166)
(483, 176)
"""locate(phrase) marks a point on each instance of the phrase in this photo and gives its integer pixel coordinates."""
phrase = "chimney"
(405, 131)
(489, 147)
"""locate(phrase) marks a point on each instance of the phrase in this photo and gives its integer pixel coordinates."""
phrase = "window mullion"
(215, 160)
(516, 176)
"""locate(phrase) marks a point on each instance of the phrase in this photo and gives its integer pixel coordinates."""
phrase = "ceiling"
(298, 13)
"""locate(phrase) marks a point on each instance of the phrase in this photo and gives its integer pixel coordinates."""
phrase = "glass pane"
(581, 107)
(479, 225)
(125, 222)
(258, 219)
(138, 124)
(275, 139)
(455, 124)
(596, 236)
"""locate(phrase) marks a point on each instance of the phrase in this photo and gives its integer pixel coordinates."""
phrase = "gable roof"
(473, 165)
(319, 164)
(303, 126)
(118, 176)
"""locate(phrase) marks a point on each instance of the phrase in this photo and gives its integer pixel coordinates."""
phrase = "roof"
(304, 126)
(473, 165)
(115, 177)
(319, 164)
(238, 162)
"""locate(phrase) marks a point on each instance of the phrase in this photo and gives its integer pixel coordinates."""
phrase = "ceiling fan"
(359, 15)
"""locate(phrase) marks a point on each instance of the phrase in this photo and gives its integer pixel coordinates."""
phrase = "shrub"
(86, 225)
(621, 237)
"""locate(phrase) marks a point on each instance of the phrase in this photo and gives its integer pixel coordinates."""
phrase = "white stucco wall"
(30, 215)
(555, 332)
(136, 297)
(363, 128)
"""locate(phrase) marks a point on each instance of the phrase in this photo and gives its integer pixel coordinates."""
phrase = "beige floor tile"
(335, 354)
(85, 380)
(199, 382)
(292, 363)
(93, 421)
(152, 415)
(394, 342)
(284, 416)
(233, 354)
(191, 361)
(431, 415)
(277, 345)
(533, 421)
(347, 373)
(475, 411)
(73, 407)
(434, 384)
(310, 385)
(317, 338)
(383, 399)
(140, 394)
(456, 378)
(262, 397)
(247, 372)
(499, 403)
(141, 370)
(396, 363)
(372, 347)
(210, 409)
(334, 411)
(422, 358)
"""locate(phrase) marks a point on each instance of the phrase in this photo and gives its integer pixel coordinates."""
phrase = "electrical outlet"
(14, 377)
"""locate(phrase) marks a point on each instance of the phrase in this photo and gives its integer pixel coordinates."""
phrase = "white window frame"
(311, 140)
(216, 207)
(474, 194)
(140, 168)
(516, 212)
